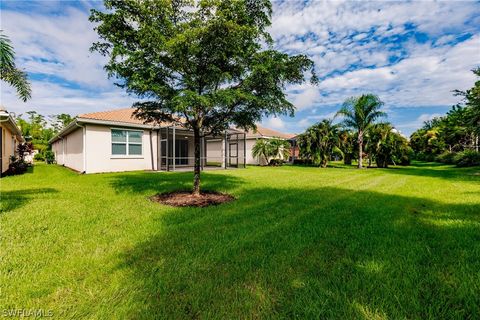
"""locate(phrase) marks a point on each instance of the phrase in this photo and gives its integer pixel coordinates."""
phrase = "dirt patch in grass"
(187, 199)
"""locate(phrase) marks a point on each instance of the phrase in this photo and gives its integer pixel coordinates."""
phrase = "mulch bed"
(187, 199)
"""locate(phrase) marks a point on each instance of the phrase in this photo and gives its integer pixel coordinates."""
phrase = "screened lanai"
(176, 150)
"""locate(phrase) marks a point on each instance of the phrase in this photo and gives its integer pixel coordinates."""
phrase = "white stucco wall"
(69, 150)
(99, 156)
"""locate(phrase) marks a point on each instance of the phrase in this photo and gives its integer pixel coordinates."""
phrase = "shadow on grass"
(157, 182)
(310, 253)
(10, 200)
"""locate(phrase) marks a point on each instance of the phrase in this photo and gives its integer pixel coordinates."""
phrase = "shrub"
(467, 158)
(275, 162)
(303, 161)
(17, 166)
(38, 157)
(49, 157)
(446, 157)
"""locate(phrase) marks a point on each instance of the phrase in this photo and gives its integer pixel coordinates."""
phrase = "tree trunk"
(360, 148)
(196, 168)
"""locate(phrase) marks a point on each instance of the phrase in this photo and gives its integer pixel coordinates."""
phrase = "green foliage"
(39, 157)
(348, 145)
(49, 157)
(272, 151)
(467, 158)
(206, 65)
(457, 131)
(60, 121)
(38, 131)
(318, 141)
(9, 72)
(446, 157)
(386, 146)
(359, 113)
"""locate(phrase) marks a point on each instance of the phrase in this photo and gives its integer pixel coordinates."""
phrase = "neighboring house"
(263, 133)
(10, 137)
(114, 141)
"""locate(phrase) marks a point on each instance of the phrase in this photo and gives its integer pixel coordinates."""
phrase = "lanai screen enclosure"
(176, 149)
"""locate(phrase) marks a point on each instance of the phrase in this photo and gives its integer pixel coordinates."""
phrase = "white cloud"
(275, 123)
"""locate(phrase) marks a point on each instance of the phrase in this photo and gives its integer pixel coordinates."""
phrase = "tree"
(360, 113)
(347, 144)
(60, 121)
(205, 65)
(280, 148)
(318, 141)
(9, 72)
(271, 149)
(262, 150)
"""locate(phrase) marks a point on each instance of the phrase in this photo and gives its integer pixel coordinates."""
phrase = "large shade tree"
(359, 113)
(205, 65)
(9, 71)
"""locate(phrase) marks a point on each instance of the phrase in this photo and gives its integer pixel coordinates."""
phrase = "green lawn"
(298, 242)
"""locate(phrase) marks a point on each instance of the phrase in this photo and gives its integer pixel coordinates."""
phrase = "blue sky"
(412, 54)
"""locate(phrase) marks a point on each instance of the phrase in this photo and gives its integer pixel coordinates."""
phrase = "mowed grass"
(299, 242)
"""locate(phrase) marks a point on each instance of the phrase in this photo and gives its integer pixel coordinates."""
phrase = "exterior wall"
(69, 150)
(8, 146)
(99, 156)
(215, 153)
(249, 158)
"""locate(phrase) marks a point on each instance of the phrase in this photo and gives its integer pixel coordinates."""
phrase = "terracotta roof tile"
(117, 115)
(266, 132)
(126, 116)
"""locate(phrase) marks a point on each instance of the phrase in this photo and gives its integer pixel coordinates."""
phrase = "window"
(126, 142)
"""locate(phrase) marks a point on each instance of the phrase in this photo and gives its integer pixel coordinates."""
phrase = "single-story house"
(113, 141)
(262, 133)
(10, 137)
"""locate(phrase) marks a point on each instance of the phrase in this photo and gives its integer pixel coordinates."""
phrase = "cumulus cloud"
(412, 54)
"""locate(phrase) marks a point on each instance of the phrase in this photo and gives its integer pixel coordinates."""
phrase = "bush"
(467, 158)
(49, 157)
(446, 157)
(38, 157)
(275, 162)
(303, 161)
(404, 160)
(17, 166)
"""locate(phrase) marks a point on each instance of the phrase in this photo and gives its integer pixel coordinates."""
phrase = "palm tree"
(262, 148)
(9, 72)
(359, 114)
(280, 148)
(318, 142)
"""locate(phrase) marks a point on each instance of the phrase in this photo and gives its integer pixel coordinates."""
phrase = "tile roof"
(266, 132)
(125, 115)
(118, 115)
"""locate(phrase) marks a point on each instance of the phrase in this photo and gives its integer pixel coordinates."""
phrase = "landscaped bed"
(297, 242)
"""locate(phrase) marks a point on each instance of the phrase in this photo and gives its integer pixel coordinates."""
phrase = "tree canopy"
(205, 65)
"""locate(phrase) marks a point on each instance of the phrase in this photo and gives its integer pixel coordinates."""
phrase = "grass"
(298, 242)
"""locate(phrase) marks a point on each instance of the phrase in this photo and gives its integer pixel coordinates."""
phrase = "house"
(114, 141)
(263, 133)
(10, 137)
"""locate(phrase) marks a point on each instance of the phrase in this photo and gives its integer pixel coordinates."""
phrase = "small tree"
(204, 65)
(262, 150)
(360, 113)
(318, 142)
(271, 149)
(347, 144)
